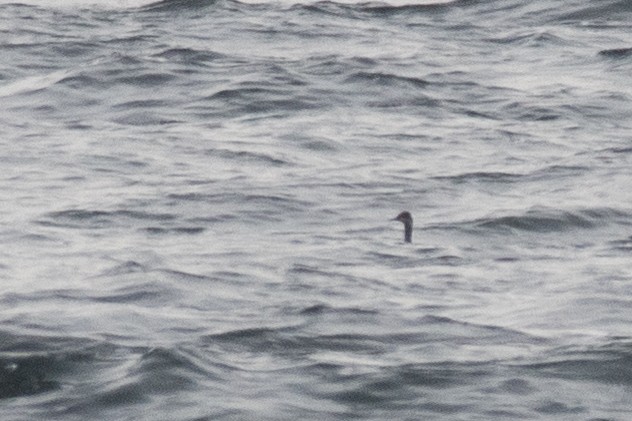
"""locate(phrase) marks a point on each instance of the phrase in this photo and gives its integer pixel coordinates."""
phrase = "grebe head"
(404, 217)
(407, 219)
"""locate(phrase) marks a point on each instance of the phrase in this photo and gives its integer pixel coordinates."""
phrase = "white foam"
(128, 4)
(32, 83)
(106, 4)
(376, 2)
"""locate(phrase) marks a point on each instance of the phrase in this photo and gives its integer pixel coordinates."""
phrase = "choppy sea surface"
(196, 205)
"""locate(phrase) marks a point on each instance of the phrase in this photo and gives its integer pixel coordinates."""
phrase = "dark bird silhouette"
(407, 219)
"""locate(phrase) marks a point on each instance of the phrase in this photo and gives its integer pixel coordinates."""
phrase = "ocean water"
(197, 203)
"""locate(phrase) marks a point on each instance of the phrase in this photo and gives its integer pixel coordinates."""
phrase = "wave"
(84, 218)
(190, 56)
(33, 83)
(254, 207)
(500, 177)
(31, 364)
(536, 37)
(608, 363)
(624, 245)
(616, 53)
(83, 4)
(386, 79)
(544, 11)
(257, 100)
(177, 5)
(482, 177)
(612, 10)
(543, 220)
(151, 223)
(171, 5)
(251, 158)
(322, 309)
(428, 331)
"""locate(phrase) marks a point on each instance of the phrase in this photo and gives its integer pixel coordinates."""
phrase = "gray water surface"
(196, 205)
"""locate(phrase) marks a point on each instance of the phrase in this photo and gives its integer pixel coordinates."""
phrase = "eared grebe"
(407, 219)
